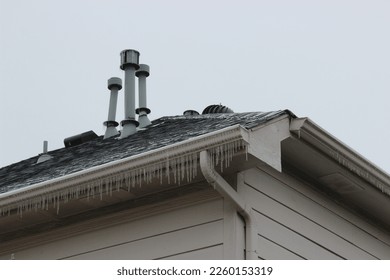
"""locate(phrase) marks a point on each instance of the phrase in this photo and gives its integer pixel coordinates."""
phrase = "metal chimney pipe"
(143, 110)
(129, 63)
(114, 84)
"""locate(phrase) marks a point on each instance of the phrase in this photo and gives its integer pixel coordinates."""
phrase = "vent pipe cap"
(114, 82)
(129, 58)
(144, 70)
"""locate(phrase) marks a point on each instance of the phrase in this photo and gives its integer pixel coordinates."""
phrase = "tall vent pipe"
(129, 63)
(114, 84)
(143, 110)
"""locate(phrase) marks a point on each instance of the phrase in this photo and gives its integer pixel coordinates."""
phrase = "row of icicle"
(178, 169)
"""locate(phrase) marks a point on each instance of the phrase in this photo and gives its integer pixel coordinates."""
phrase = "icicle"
(151, 173)
(196, 166)
(101, 184)
(231, 151)
(174, 170)
(160, 173)
(114, 183)
(108, 187)
(190, 167)
(139, 177)
(179, 173)
(182, 168)
(222, 157)
(58, 207)
(135, 182)
(130, 181)
(187, 165)
(217, 155)
(144, 176)
(167, 170)
(147, 174)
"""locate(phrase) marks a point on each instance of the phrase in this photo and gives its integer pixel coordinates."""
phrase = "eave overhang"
(306, 130)
(324, 162)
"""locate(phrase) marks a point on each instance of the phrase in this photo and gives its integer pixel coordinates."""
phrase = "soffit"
(310, 164)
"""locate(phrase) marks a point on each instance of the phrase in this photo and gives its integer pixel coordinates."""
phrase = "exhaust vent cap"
(129, 58)
(144, 70)
(114, 82)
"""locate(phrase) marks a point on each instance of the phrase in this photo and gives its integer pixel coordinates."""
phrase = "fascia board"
(308, 131)
(195, 144)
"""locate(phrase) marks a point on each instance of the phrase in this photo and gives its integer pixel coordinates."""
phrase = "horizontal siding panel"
(292, 242)
(317, 213)
(305, 227)
(209, 253)
(167, 244)
(270, 250)
(137, 229)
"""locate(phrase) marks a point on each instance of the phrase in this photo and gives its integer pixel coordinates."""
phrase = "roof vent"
(114, 84)
(143, 110)
(190, 113)
(129, 64)
(216, 109)
(79, 139)
(44, 156)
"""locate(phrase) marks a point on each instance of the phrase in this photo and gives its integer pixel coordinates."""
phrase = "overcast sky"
(326, 60)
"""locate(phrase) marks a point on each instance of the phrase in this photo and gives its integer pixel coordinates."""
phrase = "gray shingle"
(162, 132)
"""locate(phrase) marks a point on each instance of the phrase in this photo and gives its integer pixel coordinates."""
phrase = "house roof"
(167, 152)
(96, 152)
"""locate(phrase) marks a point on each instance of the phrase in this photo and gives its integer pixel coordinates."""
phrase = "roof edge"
(140, 161)
(307, 130)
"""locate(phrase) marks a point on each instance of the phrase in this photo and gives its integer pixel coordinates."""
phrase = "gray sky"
(326, 60)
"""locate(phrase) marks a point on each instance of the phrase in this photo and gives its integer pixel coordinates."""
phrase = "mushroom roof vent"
(216, 109)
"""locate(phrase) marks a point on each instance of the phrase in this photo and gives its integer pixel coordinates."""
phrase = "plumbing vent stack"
(45, 146)
(143, 110)
(114, 84)
(129, 63)
(44, 156)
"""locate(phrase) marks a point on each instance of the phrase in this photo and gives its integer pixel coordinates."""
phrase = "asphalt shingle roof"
(162, 132)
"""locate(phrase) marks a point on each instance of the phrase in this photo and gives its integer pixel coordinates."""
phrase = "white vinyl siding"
(194, 231)
(296, 222)
(161, 245)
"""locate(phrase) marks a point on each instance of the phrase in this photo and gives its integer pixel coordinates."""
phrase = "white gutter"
(228, 193)
(307, 130)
